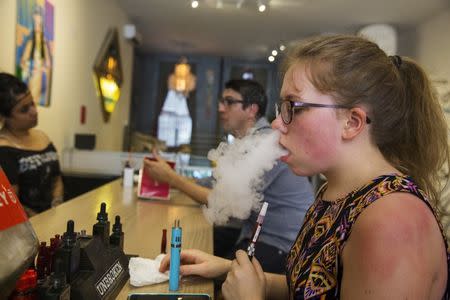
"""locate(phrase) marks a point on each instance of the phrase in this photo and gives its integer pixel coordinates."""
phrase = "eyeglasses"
(228, 101)
(287, 108)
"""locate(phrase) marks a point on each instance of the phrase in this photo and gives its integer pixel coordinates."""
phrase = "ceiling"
(173, 26)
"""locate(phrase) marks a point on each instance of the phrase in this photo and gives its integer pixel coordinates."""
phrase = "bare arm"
(15, 188)
(276, 286)
(189, 187)
(27, 210)
(196, 262)
(395, 251)
(246, 280)
(162, 172)
(58, 192)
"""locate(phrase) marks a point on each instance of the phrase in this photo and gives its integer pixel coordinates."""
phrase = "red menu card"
(148, 188)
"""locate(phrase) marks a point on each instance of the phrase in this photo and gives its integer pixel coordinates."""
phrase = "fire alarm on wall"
(131, 34)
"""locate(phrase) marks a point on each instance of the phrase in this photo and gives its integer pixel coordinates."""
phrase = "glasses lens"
(229, 101)
(286, 112)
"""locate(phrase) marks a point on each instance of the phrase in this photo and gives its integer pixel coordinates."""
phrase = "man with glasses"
(241, 111)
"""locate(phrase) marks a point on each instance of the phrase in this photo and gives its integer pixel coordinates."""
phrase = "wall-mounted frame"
(108, 73)
(34, 47)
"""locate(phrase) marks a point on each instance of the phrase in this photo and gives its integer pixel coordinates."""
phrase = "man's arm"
(162, 172)
(189, 187)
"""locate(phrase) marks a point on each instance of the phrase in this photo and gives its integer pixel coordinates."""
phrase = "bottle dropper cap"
(69, 237)
(117, 226)
(102, 216)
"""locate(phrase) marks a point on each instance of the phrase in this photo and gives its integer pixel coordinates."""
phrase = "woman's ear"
(355, 122)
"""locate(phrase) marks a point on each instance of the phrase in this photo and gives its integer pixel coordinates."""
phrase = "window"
(174, 122)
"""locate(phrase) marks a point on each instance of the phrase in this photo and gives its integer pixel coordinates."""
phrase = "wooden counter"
(142, 224)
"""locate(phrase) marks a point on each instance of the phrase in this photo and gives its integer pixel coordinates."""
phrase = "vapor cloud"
(239, 175)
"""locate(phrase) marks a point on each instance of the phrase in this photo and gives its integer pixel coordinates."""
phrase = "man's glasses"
(228, 101)
(287, 108)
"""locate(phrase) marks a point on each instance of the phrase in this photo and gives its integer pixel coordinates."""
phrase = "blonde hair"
(408, 124)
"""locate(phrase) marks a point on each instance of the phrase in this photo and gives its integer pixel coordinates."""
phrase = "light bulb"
(194, 4)
(261, 8)
(282, 47)
(274, 52)
(271, 58)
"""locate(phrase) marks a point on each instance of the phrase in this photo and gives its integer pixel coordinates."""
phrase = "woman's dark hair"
(408, 123)
(10, 88)
(252, 93)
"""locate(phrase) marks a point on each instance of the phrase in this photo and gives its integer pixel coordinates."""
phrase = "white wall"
(433, 45)
(7, 34)
(80, 28)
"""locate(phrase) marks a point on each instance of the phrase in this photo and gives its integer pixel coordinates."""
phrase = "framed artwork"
(34, 47)
(108, 73)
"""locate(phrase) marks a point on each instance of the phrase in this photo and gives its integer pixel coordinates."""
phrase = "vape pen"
(175, 249)
(259, 221)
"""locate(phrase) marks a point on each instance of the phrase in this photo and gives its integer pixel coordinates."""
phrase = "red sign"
(11, 211)
(151, 189)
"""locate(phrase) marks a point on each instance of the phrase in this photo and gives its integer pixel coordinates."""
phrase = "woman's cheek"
(314, 148)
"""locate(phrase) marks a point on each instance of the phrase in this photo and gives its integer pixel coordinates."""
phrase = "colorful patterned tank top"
(314, 269)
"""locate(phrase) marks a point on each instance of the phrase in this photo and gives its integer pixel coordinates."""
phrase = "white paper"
(145, 271)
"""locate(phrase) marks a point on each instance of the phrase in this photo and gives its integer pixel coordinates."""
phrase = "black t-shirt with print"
(35, 172)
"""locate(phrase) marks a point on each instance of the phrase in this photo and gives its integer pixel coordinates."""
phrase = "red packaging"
(149, 188)
(19, 243)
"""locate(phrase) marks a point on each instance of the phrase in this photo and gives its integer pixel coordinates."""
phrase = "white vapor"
(239, 175)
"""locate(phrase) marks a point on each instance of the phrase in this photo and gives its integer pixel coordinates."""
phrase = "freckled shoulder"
(395, 242)
(397, 217)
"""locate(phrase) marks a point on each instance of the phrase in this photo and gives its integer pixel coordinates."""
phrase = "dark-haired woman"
(27, 156)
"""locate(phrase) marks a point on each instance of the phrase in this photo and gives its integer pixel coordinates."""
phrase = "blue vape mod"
(175, 249)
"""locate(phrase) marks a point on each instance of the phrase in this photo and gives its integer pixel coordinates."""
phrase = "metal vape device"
(175, 249)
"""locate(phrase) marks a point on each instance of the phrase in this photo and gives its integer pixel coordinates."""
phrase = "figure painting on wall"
(34, 47)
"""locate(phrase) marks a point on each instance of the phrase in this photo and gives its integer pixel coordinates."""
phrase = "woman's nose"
(278, 124)
(33, 110)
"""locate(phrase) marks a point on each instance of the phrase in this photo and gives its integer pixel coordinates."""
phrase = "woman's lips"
(284, 158)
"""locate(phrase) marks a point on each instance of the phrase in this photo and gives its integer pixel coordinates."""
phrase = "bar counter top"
(142, 224)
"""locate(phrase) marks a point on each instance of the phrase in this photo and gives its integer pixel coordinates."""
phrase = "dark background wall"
(149, 90)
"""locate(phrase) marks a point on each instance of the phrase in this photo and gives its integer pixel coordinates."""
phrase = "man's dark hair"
(252, 93)
(10, 88)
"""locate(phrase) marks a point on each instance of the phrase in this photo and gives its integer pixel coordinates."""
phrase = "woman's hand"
(196, 262)
(159, 169)
(246, 279)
